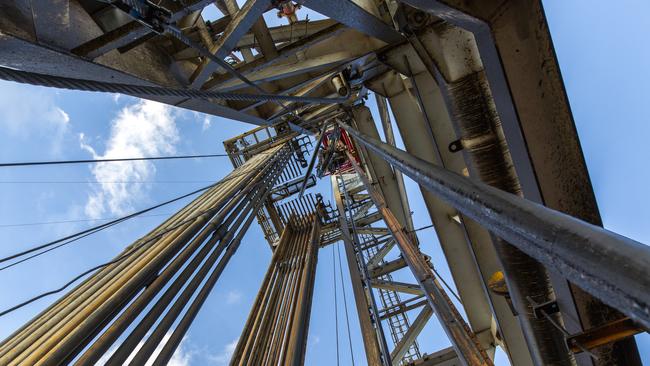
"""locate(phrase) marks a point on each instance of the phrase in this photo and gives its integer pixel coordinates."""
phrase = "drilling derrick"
(471, 109)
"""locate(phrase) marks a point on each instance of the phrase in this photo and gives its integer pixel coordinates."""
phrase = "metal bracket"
(550, 307)
(455, 146)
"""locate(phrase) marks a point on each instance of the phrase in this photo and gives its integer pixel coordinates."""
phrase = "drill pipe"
(36, 338)
(103, 343)
(462, 338)
(268, 336)
(177, 336)
(139, 332)
(609, 266)
(201, 236)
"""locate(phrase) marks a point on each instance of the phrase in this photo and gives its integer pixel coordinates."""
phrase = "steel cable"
(61, 82)
(336, 310)
(93, 161)
(345, 303)
(116, 260)
(78, 235)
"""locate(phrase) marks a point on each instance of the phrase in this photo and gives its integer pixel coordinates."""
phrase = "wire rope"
(32, 78)
(336, 310)
(345, 303)
(102, 226)
(73, 221)
(94, 229)
(130, 252)
(94, 161)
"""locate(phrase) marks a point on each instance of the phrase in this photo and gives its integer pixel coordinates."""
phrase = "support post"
(370, 343)
(611, 267)
(461, 337)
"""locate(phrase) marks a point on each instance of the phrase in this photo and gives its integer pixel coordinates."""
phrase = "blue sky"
(603, 58)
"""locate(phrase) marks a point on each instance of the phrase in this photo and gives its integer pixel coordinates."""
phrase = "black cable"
(116, 260)
(92, 161)
(336, 310)
(97, 228)
(446, 285)
(436, 272)
(57, 246)
(345, 303)
(103, 182)
(71, 221)
(102, 226)
(61, 82)
(422, 228)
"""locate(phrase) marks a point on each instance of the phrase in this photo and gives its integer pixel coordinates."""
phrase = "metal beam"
(516, 62)
(285, 52)
(116, 38)
(467, 246)
(480, 125)
(381, 253)
(380, 171)
(370, 342)
(411, 335)
(607, 265)
(264, 40)
(291, 33)
(461, 337)
(373, 230)
(407, 288)
(387, 267)
(239, 25)
(289, 69)
(444, 357)
(387, 126)
(355, 16)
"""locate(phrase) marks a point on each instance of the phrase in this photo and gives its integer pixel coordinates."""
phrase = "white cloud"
(204, 119)
(142, 129)
(32, 113)
(233, 297)
(224, 357)
(181, 357)
(315, 340)
(207, 122)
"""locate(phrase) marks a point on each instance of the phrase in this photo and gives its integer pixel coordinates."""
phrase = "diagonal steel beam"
(285, 70)
(116, 38)
(284, 52)
(264, 39)
(240, 24)
(444, 357)
(299, 89)
(459, 333)
(289, 33)
(354, 16)
(607, 265)
(407, 288)
(373, 230)
(381, 253)
(411, 335)
(387, 267)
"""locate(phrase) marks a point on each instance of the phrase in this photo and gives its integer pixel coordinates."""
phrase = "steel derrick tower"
(474, 93)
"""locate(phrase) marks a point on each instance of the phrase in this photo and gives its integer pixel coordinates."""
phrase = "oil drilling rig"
(475, 93)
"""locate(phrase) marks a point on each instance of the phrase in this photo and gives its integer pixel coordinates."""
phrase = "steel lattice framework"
(474, 92)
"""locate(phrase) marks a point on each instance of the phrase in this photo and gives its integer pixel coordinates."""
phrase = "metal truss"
(476, 95)
(276, 330)
(157, 277)
(373, 249)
